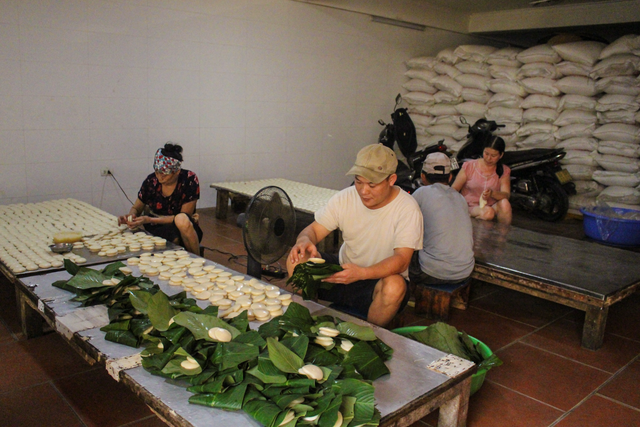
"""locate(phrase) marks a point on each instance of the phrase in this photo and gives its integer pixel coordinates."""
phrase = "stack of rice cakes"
(232, 294)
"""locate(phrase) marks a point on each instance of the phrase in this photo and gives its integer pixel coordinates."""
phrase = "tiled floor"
(547, 379)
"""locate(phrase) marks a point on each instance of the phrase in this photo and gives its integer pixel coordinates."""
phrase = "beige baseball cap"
(374, 163)
(437, 164)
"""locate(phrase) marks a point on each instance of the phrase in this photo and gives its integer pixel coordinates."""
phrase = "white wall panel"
(251, 89)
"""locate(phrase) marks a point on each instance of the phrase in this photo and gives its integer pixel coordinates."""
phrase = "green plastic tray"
(478, 378)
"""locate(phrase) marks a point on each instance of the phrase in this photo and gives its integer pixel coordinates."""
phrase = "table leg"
(222, 204)
(453, 413)
(594, 324)
(30, 319)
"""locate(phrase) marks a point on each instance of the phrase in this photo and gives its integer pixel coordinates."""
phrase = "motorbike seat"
(515, 157)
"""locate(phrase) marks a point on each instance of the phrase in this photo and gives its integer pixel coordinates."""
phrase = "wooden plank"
(31, 321)
(594, 325)
(453, 399)
(537, 289)
(222, 203)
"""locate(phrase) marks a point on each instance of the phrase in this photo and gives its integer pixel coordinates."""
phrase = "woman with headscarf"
(171, 194)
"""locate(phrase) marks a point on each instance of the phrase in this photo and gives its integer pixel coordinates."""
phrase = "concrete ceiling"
(518, 22)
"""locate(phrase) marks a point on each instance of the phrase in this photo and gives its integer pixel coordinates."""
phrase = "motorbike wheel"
(553, 202)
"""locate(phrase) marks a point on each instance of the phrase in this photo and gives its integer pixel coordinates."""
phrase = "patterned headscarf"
(165, 164)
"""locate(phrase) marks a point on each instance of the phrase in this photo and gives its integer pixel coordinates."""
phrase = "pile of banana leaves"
(307, 278)
(447, 338)
(261, 372)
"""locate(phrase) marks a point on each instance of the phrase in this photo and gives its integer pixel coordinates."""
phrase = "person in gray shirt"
(447, 253)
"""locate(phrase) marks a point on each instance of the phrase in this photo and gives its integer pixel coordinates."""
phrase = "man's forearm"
(307, 235)
(395, 264)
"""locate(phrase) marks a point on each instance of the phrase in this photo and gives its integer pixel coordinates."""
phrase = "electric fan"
(268, 229)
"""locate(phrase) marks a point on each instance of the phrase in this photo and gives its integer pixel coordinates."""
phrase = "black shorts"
(357, 296)
(171, 232)
(419, 277)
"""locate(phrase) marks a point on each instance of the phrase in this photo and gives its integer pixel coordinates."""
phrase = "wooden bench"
(433, 301)
(580, 274)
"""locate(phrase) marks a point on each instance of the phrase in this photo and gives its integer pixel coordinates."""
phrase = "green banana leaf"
(364, 333)
(231, 399)
(446, 338)
(71, 267)
(366, 361)
(317, 355)
(442, 337)
(140, 300)
(266, 372)
(86, 278)
(363, 392)
(329, 417)
(265, 412)
(298, 344)
(116, 326)
(231, 354)
(113, 269)
(122, 337)
(199, 324)
(160, 311)
(283, 358)
(251, 337)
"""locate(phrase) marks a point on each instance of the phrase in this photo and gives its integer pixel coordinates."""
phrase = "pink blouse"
(477, 183)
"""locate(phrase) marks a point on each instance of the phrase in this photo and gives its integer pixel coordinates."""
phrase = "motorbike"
(539, 184)
(402, 131)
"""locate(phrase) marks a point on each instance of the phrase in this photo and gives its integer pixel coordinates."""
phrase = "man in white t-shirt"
(381, 227)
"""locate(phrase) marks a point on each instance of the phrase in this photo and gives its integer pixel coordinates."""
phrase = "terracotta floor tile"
(215, 241)
(496, 406)
(5, 334)
(39, 405)
(624, 318)
(549, 378)
(601, 412)
(563, 337)
(624, 387)
(152, 421)
(493, 330)
(101, 401)
(480, 289)
(521, 307)
(29, 362)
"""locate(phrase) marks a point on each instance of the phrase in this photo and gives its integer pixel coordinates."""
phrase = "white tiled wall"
(251, 88)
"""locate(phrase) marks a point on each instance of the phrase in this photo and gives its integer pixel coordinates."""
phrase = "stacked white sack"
(577, 118)
(504, 106)
(618, 132)
(545, 96)
(538, 76)
(447, 93)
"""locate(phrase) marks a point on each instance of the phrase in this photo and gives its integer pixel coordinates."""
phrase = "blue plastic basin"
(612, 231)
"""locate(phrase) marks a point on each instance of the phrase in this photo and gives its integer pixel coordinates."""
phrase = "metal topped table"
(408, 394)
(579, 274)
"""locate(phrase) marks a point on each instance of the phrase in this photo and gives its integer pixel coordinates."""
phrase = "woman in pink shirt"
(485, 184)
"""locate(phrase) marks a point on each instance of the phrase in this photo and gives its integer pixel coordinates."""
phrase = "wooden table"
(306, 200)
(580, 274)
(408, 394)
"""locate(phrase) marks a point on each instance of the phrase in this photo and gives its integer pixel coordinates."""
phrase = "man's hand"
(350, 273)
(302, 251)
